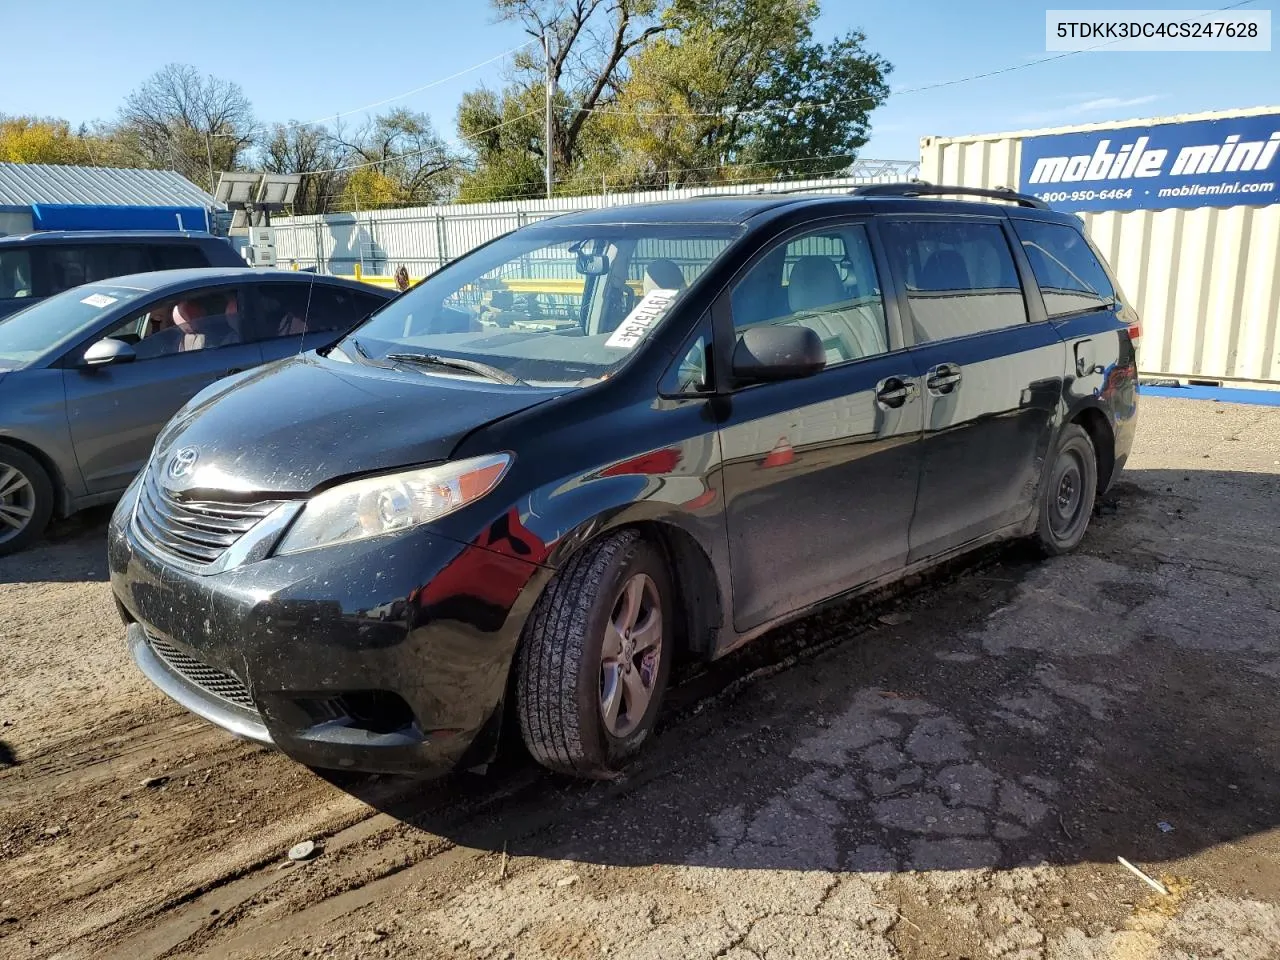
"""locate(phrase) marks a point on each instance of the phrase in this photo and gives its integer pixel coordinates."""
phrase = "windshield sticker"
(98, 300)
(651, 308)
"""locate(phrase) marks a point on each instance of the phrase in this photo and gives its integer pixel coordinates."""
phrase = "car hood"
(295, 425)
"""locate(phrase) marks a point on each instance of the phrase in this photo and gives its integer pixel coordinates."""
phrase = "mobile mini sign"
(1203, 163)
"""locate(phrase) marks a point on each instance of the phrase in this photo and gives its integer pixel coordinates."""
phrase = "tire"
(1067, 493)
(580, 698)
(26, 500)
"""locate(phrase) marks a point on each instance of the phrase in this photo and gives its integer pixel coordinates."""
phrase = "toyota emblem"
(183, 462)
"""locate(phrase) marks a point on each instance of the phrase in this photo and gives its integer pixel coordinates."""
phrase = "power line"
(426, 86)
(814, 105)
(783, 110)
(414, 153)
(407, 93)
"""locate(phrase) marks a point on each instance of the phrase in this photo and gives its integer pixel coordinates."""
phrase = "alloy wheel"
(17, 502)
(630, 655)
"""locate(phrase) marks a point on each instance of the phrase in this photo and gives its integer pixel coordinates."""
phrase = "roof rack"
(767, 192)
(921, 188)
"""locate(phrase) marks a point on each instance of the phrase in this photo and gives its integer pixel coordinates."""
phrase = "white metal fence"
(424, 238)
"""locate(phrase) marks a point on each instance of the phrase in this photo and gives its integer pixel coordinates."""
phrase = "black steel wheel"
(1067, 492)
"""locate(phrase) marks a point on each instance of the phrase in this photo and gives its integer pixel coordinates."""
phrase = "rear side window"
(178, 256)
(1066, 269)
(282, 309)
(15, 274)
(335, 309)
(286, 309)
(960, 276)
(70, 265)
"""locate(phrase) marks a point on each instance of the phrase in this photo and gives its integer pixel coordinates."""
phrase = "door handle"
(894, 391)
(943, 378)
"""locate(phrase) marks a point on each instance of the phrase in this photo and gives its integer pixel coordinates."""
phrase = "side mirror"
(778, 353)
(593, 264)
(108, 351)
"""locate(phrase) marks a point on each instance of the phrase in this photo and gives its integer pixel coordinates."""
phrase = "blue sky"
(317, 58)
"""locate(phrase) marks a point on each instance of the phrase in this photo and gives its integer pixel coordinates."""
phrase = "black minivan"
(613, 439)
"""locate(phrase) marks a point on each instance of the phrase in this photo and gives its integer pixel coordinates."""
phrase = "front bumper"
(389, 655)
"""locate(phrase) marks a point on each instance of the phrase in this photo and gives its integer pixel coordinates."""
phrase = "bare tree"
(589, 41)
(193, 123)
(401, 153)
(309, 150)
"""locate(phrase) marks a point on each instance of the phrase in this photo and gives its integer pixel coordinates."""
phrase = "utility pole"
(208, 149)
(548, 132)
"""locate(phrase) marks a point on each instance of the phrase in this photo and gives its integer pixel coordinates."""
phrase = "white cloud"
(1087, 107)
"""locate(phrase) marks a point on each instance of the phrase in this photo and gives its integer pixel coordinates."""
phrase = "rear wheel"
(26, 499)
(1068, 492)
(595, 658)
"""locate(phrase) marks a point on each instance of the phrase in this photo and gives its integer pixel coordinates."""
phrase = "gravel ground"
(949, 772)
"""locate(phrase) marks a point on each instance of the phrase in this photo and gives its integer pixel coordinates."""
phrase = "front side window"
(1066, 269)
(15, 275)
(56, 322)
(548, 305)
(199, 320)
(825, 280)
(960, 276)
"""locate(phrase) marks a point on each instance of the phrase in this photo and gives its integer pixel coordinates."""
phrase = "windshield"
(547, 306)
(47, 324)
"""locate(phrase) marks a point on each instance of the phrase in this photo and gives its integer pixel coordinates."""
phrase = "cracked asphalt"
(950, 772)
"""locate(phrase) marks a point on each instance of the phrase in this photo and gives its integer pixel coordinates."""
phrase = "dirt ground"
(952, 772)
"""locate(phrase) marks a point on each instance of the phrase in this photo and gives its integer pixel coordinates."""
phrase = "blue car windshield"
(58, 321)
(547, 305)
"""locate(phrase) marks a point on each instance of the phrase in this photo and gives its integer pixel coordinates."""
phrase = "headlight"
(378, 505)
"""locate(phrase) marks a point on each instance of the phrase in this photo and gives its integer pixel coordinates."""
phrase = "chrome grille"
(197, 531)
(209, 679)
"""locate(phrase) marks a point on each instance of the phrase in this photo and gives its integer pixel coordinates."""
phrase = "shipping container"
(1204, 278)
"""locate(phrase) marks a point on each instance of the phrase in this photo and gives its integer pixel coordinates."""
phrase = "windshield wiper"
(458, 363)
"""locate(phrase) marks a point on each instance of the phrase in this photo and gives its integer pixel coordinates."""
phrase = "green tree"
(51, 140)
(589, 42)
(721, 96)
(413, 163)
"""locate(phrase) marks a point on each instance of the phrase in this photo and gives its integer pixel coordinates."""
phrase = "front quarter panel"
(33, 411)
(585, 465)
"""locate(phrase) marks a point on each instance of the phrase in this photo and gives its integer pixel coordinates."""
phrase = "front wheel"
(594, 661)
(26, 500)
(1068, 492)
